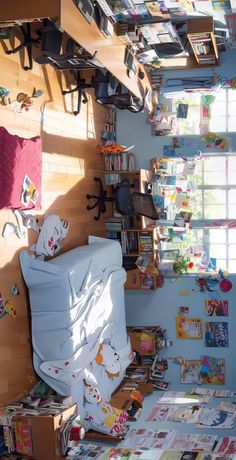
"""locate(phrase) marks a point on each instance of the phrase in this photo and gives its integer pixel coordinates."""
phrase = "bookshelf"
(147, 366)
(38, 436)
(203, 42)
(140, 247)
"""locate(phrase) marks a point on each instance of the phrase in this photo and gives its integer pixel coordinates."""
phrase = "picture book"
(23, 436)
(213, 370)
(119, 453)
(28, 192)
(216, 307)
(226, 445)
(181, 414)
(205, 393)
(214, 418)
(184, 414)
(86, 451)
(148, 439)
(194, 443)
(159, 413)
(188, 328)
(216, 334)
(227, 406)
(190, 371)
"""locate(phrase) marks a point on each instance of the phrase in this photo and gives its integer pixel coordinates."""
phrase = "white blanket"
(66, 339)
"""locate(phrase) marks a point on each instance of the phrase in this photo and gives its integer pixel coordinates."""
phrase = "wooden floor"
(69, 165)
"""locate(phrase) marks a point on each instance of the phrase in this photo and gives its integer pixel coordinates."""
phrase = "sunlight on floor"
(64, 164)
(67, 124)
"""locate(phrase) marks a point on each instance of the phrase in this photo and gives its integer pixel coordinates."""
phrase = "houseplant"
(182, 264)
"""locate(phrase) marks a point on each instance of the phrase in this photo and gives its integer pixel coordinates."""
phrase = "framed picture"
(188, 328)
(216, 334)
(216, 307)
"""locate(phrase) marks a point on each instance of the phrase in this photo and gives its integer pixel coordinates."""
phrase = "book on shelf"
(129, 242)
(124, 161)
(117, 223)
(111, 179)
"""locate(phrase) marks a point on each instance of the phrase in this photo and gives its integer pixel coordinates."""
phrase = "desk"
(110, 51)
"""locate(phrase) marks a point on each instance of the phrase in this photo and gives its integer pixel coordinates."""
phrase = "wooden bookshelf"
(203, 42)
(147, 248)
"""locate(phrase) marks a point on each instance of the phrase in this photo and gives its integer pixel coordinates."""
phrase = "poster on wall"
(216, 307)
(188, 328)
(216, 334)
(190, 371)
(213, 370)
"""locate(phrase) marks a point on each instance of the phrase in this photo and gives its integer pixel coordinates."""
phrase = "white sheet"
(77, 301)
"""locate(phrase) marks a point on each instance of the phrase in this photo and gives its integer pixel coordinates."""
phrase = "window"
(223, 111)
(207, 112)
(215, 206)
(191, 124)
(212, 239)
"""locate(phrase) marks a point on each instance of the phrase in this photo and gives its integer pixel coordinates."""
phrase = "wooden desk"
(110, 51)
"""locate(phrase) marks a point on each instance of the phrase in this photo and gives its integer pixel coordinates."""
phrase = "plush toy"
(108, 358)
(101, 415)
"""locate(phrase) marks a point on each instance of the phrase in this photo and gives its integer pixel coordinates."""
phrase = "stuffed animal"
(108, 358)
(101, 415)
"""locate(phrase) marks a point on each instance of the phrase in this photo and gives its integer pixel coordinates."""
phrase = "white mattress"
(77, 301)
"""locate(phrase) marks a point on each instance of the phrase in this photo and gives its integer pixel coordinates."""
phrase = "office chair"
(27, 43)
(108, 91)
(73, 59)
(80, 87)
(126, 202)
(100, 200)
(134, 203)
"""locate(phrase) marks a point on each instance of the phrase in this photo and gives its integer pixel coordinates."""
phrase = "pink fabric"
(19, 157)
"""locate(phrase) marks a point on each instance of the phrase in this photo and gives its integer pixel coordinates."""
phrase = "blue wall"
(160, 306)
(136, 129)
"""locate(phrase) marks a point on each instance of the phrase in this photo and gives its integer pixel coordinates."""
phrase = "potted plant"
(182, 264)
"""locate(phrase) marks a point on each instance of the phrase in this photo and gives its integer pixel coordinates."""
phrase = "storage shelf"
(203, 42)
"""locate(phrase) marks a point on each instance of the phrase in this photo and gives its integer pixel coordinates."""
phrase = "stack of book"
(124, 161)
(129, 242)
(202, 46)
(116, 224)
(109, 130)
(128, 33)
(145, 243)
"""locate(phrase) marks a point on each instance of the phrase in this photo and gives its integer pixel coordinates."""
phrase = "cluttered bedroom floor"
(34, 113)
(69, 164)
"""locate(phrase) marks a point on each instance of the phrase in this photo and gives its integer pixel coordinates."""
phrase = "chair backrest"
(144, 205)
(123, 198)
(74, 57)
(136, 203)
(128, 101)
